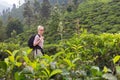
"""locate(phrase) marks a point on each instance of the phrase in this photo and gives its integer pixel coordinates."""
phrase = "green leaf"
(49, 58)
(76, 59)
(18, 57)
(118, 70)
(70, 64)
(11, 58)
(10, 53)
(33, 64)
(105, 69)
(54, 72)
(56, 55)
(95, 67)
(3, 65)
(6, 60)
(15, 52)
(29, 51)
(18, 64)
(24, 53)
(109, 76)
(116, 59)
(26, 59)
(44, 72)
(28, 70)
(47, 71)
(17, 76)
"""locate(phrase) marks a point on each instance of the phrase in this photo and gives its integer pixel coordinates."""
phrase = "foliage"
(100, 47)
(97, 16)
(51, 49)
(45, 9)
(80, 57)
(2, 31)
(14, 25)
(28, 13)
(7, 46)
(53, 24)
(72, 53)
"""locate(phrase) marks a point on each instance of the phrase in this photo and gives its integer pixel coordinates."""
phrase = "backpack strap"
(38, 35)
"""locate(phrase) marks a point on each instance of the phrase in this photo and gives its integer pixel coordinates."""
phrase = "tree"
(77, 26)
(2, 31)
(53, 23)
(76, 3)
(116, 0)
(36, 7)
(60, 29)
(14, 25)
(14, 7)
(3, 12)
(37, 15)
(28, 13)
(45, 10)
(70, 2)
(1, 23)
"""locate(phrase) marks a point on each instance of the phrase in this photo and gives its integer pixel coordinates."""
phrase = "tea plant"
(83, 57)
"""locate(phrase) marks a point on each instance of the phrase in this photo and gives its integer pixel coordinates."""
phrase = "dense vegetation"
(82, 40)
(85, 56)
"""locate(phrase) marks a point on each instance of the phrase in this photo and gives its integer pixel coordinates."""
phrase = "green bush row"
(83, 57)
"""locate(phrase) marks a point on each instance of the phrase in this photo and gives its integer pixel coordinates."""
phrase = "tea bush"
(83, 57)
(7, 46)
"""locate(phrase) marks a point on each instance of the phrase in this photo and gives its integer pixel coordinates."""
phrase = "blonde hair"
(39, 27)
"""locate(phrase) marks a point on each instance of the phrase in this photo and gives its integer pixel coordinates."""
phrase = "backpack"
(31, 40)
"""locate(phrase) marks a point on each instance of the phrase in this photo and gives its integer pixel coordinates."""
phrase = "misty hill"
(18, 12)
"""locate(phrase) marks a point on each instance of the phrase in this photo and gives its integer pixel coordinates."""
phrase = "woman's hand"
(41, 38)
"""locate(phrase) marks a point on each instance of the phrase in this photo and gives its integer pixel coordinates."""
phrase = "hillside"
(97, 17)
(18, 12)
(81, 41)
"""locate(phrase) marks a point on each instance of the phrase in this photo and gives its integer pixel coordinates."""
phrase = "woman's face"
(41, 30)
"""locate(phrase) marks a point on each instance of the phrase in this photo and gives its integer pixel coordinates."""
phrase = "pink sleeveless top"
(41, 42)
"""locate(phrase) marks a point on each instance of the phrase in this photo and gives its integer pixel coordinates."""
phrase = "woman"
(38, 42)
